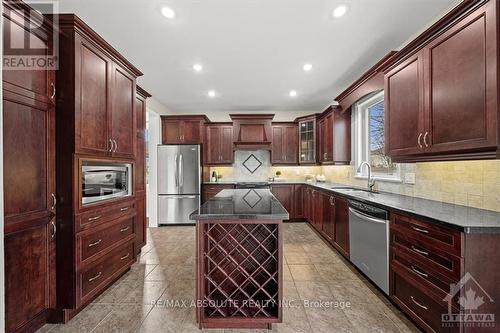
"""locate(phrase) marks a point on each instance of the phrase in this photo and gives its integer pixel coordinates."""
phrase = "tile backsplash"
(468, 183)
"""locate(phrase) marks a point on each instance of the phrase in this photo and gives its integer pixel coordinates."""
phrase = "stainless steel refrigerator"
(179, 174)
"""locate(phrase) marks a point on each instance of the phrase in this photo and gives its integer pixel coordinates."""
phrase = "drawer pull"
(94, 218)
(124, 229)
(419, 251)
(95, 277)
(125, 257)
(421, 230)
(123, 209)
(95, 243)
(418, 304)
(419, 272)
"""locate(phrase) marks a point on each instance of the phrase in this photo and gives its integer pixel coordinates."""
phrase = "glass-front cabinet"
(307, 141)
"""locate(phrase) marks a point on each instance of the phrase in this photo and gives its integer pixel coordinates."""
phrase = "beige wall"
(468, 183)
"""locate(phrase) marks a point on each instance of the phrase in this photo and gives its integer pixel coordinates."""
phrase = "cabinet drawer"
(425, 310)
(439, 260)
(443, 238)
(95, 278)
(94, 241)
(102, 215)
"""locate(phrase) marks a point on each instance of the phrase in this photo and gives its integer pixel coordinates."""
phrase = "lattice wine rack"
(239, 271)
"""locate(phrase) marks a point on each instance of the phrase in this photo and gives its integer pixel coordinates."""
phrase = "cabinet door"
(404, 111)
(171, 132)
(317, 203)
(140, 220)
(462, 103)
(140, 161)
(341, 232)
(227, 153)
(328, 216)
(307, 142)
(306, 203)
(328, 138)
(92, 88)
(291, 145)
(342, 137)
(123, 116)
(284, 194)
(214, 144)
(299, 201)
(321, 140)
(191, 132)
(29, 273)
(278, 155)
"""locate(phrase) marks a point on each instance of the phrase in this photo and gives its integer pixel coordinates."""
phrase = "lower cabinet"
(328, 213)
(285, 195)
(209, 191)
(341, 220)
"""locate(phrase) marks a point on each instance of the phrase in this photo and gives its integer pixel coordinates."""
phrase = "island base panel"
(239, 273)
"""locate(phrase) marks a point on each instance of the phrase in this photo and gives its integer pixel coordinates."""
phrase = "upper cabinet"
(325, 132)
(285, 147)
(441, 100)
(334, 136)
(252, 131)
(183, 129)
(219, 144)
(307, 140)
(99, 94)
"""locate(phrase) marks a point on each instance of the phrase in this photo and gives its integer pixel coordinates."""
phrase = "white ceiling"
(253, 50)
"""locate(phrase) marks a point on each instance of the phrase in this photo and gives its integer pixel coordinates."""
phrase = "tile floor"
(165, 271)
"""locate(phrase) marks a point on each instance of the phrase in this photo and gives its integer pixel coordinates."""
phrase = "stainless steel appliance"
(105, 180)
(369, 242)
(179, 174)
(251, 185)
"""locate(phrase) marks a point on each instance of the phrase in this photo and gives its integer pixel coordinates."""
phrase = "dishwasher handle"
(366, 217)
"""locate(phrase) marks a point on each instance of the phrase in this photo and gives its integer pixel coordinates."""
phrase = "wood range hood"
(252, 131)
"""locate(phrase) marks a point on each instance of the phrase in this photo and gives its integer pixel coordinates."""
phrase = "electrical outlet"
(410, 178)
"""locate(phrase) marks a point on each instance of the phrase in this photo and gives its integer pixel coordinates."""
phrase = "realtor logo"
(472, 297)
(30, 42)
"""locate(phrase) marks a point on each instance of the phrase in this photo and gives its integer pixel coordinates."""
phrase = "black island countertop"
(241, 204)
(463, 218)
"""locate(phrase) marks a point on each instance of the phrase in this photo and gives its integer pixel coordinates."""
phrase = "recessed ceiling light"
(293, 93)
(307, 67)
(168, 12)
(339, 11)
(211, 93)
(197, 67)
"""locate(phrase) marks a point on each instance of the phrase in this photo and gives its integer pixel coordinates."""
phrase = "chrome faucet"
(371, 181)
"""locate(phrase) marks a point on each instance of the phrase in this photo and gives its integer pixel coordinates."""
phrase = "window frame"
(360, 136)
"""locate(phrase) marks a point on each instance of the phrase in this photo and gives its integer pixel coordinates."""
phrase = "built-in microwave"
(105, 180)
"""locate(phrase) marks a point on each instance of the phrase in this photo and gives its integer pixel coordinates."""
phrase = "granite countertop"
(463, 218)
(241, 204)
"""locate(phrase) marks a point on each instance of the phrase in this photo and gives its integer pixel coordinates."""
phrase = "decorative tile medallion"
(252, 163)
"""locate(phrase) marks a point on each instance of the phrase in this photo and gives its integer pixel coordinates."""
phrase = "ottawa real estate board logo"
(472, 302)
(29, 41)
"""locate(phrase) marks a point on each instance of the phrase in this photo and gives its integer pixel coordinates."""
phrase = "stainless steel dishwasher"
(369, 242)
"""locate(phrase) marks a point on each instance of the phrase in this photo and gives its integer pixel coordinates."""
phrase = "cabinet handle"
(420, 230)
(419, 140)
(425, 139)
(419, 251)
(54, 201)
(54, 230)
(116, 146)
(110, 145)
(53, 86)
(95, 243)
(95, 277)
(125, 257)
(419, 272)
(324, 156)
(417, 303)
(94, 218)
(124, 209)
(332, 201)
(124, 229)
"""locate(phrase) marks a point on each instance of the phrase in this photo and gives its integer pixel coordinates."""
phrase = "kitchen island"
(239, 259)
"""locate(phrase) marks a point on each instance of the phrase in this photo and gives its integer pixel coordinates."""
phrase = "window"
(369, 138)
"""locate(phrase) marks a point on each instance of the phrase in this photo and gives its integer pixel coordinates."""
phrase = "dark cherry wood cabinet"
(28, 176)
(285, 195)
(140, 168)
(209, 191)
(326, 138)
(187, 129)
(218, 147)
(252, 131)
(328, 216)
(307, 140)
(341, 236)
(442, 97)
(341, 136)
(298, 197)
(285, 147)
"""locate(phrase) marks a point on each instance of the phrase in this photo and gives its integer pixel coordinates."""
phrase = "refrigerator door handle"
(181, 172)
(176, 171)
